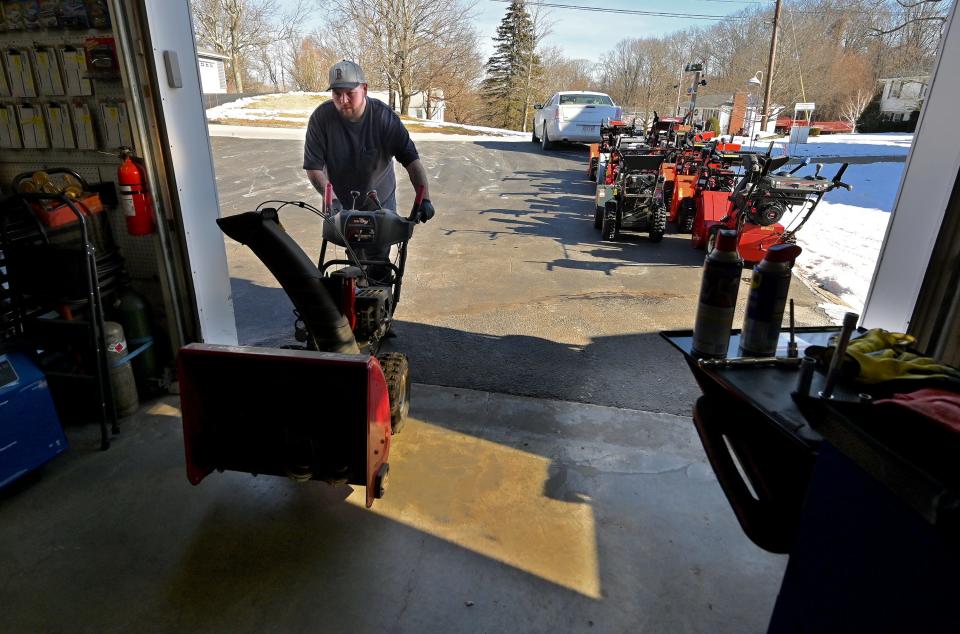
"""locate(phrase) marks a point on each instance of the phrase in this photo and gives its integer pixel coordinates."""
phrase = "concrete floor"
(503, 514)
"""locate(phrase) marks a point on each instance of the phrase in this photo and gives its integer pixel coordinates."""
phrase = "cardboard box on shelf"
(19, 73)
(116, 126)
(32, 130)
(58, 122)
(9, 132)
(83, 126)
(75, 71)
(49, 80)
(4, 85)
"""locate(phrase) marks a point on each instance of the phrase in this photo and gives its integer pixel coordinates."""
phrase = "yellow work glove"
(882, 356)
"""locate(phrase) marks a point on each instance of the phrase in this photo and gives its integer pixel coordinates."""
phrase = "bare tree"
(561, 73)
(397, 35)
(450, 69)
(853, 106)
(242, 28)
(309, 62)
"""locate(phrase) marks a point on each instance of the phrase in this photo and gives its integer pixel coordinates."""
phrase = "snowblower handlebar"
(839, 175)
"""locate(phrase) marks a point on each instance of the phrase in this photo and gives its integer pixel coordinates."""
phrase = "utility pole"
(769, 78)
(679, 85)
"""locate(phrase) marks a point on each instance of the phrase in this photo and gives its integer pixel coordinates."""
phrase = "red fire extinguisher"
(135, 199)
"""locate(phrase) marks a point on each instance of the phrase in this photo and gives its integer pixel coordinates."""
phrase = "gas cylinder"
(718, 297)
(135, 198)
(132, 311)
(769, 287)
(125, 399)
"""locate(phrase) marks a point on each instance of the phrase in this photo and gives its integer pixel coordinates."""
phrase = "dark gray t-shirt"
(359, 155)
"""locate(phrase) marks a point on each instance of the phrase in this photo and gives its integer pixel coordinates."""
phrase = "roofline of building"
(917, 76)
(211, 54)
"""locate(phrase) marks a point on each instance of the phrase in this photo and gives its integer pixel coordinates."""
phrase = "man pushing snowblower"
(326, 411)
(352, 141)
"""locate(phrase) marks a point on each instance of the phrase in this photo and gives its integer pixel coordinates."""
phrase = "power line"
(658, 14)
(671, 14)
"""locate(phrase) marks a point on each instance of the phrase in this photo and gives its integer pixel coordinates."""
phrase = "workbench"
(864, 498)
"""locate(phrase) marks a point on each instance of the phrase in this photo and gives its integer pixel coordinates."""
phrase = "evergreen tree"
(512, 70)
(869, 120)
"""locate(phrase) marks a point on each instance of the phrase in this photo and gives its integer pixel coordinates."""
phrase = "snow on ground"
(885, 144)
(841, 241)
(242, 109)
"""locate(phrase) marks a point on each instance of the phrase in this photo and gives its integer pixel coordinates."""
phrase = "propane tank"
(718, 297)
(125, 398)
(133, 313)
(135, 199)
(769, 287)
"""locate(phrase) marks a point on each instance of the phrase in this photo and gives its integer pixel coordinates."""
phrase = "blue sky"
(588, 34)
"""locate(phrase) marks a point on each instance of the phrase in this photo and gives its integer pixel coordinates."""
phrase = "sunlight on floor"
(490, 499)
(161, 408)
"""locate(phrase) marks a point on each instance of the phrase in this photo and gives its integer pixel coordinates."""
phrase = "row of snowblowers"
(324, 409)
(700, 185)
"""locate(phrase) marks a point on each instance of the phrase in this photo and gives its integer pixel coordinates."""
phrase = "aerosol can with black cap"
(718, 297)
(769, 287)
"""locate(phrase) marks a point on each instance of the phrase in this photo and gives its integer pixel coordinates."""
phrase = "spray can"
(718, 297)
(768, 297)
(125, 398)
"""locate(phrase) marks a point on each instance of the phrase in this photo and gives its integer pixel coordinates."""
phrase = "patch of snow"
(841, 241)
(243, 110)
(880, 144)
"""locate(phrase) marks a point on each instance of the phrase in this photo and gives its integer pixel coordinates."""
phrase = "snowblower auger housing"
(256, 410)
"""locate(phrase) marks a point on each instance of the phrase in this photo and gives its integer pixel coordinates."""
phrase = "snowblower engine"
(640, 185)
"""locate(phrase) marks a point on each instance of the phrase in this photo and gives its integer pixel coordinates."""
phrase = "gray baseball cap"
(346, 74)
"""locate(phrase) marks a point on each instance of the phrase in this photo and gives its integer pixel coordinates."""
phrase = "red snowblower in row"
(762, 194)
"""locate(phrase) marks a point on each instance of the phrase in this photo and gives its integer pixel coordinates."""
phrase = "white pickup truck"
(572, 115)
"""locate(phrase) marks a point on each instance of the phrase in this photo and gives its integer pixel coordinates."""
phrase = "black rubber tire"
(598, 218)
(686, 215)
(712, 238)
(658, 223)
(610, 227)
(545, 143)
(668, 193)
(396, 370)
(533, 135)
(593, 172)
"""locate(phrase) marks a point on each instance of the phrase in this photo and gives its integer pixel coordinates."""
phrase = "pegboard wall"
(63, 103)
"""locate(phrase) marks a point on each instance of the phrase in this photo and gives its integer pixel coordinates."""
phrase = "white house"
(901, 96)
(213, 73)
(742, 109)
(418, 104)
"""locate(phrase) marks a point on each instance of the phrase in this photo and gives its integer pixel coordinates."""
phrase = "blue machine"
(30, 432)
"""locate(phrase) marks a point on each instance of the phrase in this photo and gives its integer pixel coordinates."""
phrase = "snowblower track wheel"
(687, 215)
(658, 223)
(598, 218)
(668, 193)
(396, 370)
(610, 229)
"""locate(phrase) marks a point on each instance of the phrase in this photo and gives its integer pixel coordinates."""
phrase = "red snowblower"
(762, 195)
(325, 410)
